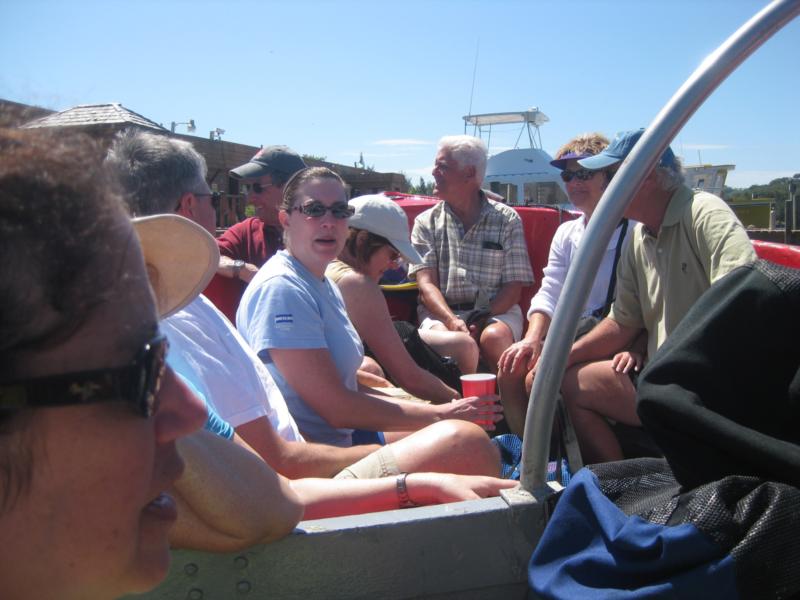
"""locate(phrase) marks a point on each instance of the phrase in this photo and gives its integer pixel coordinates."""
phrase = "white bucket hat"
(379, 215)
(181, 257)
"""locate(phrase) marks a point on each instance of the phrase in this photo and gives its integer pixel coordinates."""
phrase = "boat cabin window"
(544, 192)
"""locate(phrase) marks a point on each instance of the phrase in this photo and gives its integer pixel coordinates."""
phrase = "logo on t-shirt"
(284, 321)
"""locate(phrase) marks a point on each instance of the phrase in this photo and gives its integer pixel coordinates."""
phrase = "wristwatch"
(237, 268)
(402, 492)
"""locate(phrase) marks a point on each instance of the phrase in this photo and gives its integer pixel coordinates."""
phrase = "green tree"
(360, 164)
(423, 188)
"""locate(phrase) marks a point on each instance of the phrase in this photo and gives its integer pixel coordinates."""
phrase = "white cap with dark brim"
(181, 257)
(382, 216)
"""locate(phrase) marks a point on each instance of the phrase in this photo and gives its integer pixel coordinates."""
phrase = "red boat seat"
(781, 254)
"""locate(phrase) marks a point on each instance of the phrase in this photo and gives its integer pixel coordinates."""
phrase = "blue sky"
(390, 78)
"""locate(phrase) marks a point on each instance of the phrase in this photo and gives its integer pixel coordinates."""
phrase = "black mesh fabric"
(756, 522)
(721, 397)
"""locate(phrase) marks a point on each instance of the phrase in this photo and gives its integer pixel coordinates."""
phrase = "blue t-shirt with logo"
(285, 306)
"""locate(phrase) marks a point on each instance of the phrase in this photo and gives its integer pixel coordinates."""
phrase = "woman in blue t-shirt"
(295, 319)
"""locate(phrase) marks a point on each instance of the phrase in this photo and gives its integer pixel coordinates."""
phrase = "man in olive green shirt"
(683, 243)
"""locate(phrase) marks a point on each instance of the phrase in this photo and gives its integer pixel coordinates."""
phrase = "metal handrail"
(705, 79)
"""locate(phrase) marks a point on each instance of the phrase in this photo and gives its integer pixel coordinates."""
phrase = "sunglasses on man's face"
(136, 384)
(316, 210)
(257, 188)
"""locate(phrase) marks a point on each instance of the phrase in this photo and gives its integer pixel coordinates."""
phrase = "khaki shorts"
(380, 463)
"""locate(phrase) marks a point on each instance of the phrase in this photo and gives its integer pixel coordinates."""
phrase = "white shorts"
(512, 318)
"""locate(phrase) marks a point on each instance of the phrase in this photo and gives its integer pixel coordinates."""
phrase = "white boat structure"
(523, 176)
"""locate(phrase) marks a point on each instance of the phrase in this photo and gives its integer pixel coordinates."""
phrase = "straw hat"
(181, 259)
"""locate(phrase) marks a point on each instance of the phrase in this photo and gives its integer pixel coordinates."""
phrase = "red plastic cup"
(477, 384)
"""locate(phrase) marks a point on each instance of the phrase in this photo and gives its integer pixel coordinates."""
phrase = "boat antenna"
(474, 72)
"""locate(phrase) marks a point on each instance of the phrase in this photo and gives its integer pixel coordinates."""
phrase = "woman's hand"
(481, 410)
(624, 361)
(438, 488)
(520, 355)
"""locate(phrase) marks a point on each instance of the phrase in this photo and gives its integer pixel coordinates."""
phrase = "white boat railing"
(705, 79)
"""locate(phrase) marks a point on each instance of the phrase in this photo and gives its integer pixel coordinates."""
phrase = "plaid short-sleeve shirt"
(487, 257)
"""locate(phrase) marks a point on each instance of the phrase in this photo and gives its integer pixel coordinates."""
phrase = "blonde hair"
(585, 143)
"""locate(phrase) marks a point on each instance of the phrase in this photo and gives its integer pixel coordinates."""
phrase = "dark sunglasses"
(582, 174)
(215, 198)
(136, 384)
(315, 210)
(256, 188)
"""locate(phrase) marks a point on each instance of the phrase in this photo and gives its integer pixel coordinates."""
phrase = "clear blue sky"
(389, 78)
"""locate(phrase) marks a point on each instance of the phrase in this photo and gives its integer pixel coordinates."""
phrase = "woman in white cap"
(294, 318)
(378, 238)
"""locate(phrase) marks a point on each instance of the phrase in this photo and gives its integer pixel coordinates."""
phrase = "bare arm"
(299, 459)
(332, 498)
(312, 374)
(606, 339)
(228, 498)
(227, 269)
(507, 297)
(367, 309)
(432, 298)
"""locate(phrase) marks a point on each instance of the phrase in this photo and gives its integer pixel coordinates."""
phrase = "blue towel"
(510, 447)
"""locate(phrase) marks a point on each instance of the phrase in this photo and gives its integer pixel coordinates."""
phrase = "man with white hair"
(474, 259)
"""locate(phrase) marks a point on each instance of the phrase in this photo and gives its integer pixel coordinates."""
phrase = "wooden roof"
(95, 114)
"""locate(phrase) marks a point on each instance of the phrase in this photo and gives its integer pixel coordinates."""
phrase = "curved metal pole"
(711, 72)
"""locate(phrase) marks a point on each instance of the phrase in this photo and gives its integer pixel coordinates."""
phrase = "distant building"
(754, 214)
(104, 121)
(708, 178)
(14, 114)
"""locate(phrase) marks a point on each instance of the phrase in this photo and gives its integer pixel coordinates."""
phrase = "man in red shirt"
(246, 246)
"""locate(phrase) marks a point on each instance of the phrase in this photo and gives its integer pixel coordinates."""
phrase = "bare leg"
(394, 436)
(514, 398)
(450, 446)
(593, 392)
(495, 338)
(460, 346)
